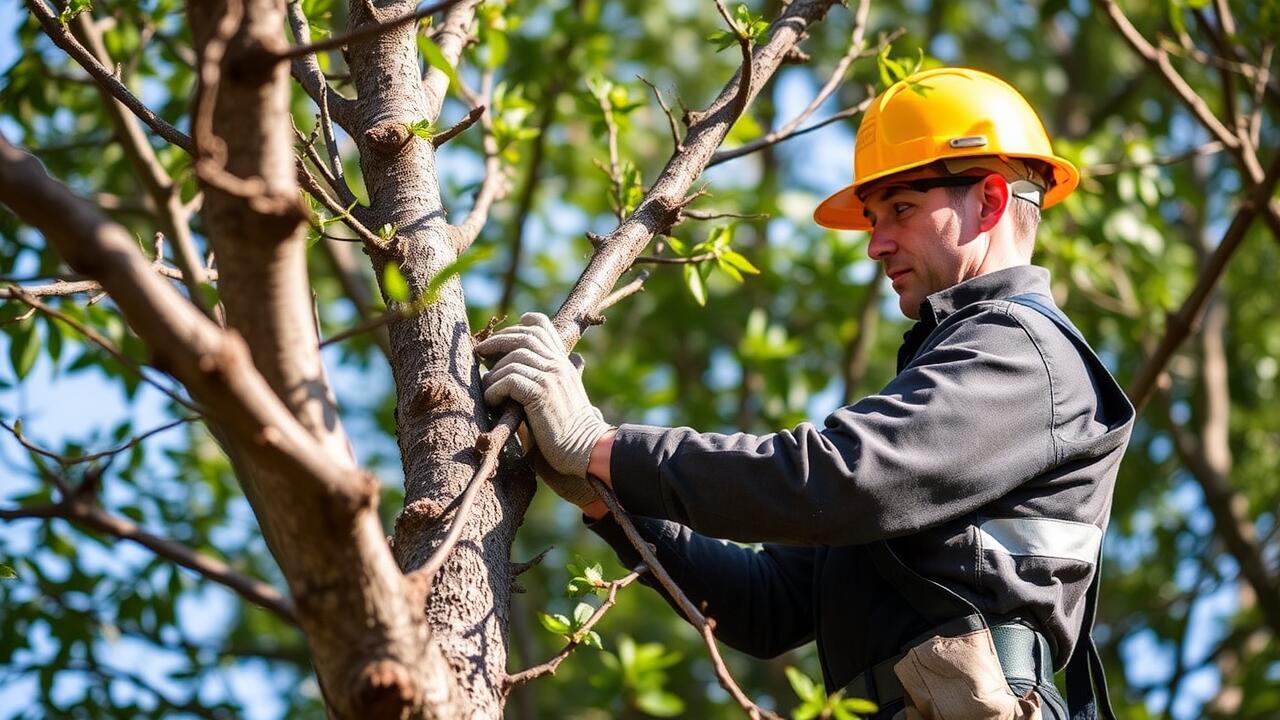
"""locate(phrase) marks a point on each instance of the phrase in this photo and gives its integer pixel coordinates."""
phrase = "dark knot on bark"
(388, 137)
(384, 689)
(418, 516)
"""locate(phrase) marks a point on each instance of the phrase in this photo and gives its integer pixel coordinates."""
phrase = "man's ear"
(994, 199)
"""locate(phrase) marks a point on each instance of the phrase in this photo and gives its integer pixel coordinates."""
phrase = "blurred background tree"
(94, 627)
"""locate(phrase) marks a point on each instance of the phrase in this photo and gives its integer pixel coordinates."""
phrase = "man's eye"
(900, 208)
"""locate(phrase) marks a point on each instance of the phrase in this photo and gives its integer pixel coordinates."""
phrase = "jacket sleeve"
(761, 601)
(967, 421)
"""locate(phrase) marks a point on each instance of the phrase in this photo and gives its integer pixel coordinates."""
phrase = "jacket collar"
(992, 286)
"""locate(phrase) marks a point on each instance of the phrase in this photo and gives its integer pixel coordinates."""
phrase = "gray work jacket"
(988, 463)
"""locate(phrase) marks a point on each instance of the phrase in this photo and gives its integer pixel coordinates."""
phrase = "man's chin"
(909, 306)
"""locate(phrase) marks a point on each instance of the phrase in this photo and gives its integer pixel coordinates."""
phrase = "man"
(972, 491)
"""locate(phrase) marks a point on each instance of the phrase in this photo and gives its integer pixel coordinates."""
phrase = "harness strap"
(1087, 697)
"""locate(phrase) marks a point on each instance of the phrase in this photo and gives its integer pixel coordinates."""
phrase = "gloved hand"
(535, 371)
(573, 489)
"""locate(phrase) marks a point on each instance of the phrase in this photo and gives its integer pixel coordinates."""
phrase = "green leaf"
(693, 279)
(860, 706)
(7, 573)
(802, 684)
(595, 573)
(729, 270)
(436, 59)
(24, 347)
(73, 8)
(394, 284)
(808, 711)
(678, 247)
(723, 39)
(592, 639)
(739, 262)
(581, 614)
(556, 623)
(659, 703)
(424, 129)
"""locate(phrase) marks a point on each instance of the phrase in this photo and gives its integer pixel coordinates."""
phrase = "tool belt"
(1024, 655)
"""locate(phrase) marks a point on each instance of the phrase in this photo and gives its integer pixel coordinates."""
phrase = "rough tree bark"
(381, 647)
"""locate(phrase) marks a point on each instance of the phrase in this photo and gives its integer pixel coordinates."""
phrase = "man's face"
(924, 242)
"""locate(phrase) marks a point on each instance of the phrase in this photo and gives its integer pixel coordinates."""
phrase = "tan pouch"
(959, 678)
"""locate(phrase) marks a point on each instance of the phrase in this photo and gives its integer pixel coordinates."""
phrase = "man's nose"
(881, 245)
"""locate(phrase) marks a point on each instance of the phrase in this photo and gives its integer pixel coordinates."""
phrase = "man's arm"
(968, 421)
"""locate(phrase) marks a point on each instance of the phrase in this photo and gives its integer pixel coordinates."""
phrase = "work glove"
(572, 489)
(535, 371)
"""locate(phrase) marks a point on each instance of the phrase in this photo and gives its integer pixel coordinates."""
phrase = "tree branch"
(62, 37)
(493, 185)
(550, 666)
(859, 352)
(1159, 60)
(854, 52)
(83, 512)
(306, 70)
(1101, 169)
(704, 625)
(164, 193)
(365, 32)
(77, 459)
(102, 342)
(459, 127)
(1181, 323)
(62, 288)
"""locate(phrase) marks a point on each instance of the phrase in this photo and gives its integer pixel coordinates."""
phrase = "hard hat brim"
(843, 210)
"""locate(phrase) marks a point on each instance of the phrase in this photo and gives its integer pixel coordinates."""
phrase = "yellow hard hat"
(942, 114)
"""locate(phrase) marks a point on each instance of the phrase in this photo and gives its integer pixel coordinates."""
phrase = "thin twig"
(614, 171)
(718, 215)
(1210, 148)
(662, 260)
(744, 74)
(309, 183)
(781, 135)
(59, 288)
(405, 311)
(695, 617)
(549, 667)
(363, 33)
(463, 124)
(77, 459)
(493, 185)
(774, 138)
(1159, 59)
(302, 35)
(631, 288)
(62, 37)
(84, 512)
(93, 335)
(671, 118)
